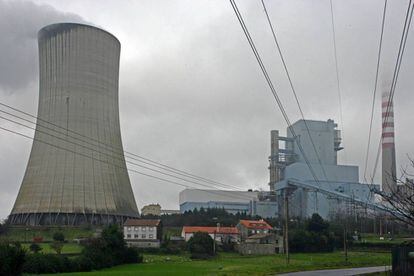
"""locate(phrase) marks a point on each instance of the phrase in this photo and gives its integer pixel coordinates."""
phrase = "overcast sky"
(191, 93)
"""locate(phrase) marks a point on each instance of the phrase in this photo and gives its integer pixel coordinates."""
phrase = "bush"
(58, 236)
(200, 245)
(35, 248)
(12, 259)
(46, 263)
(107, 251)
(314, 238)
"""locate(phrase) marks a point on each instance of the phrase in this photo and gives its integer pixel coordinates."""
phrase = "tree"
(58, 236)
(35, 248)
(201, 245)
(399, 202)
(58, 240)
(317, 224)
(12, 258)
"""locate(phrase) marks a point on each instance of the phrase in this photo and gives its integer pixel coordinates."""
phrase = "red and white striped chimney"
(388, 145)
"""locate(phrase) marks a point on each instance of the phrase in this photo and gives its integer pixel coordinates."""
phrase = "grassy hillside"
(234, 264)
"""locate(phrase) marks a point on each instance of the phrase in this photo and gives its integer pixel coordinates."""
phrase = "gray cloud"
(19, 24)
(193, 97)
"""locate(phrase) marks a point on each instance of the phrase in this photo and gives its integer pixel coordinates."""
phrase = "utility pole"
(286, 225)
(346, 232)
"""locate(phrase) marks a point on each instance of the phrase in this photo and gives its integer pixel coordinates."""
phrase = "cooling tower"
(76, 173)
(389, 182)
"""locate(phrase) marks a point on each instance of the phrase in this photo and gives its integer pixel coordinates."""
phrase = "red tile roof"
(210, 229)
(142, 222)
(255, 224)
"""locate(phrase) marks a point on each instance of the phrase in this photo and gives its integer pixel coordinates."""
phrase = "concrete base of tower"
(70, 219)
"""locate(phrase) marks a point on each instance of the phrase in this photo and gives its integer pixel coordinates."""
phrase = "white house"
(220, 234)
(143, 233)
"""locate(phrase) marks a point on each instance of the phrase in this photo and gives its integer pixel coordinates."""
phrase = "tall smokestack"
(389, 182)
(273, 159)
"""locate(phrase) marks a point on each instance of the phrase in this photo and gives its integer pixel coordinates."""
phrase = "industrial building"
(76, 171)
(253, 203)
(304, 164)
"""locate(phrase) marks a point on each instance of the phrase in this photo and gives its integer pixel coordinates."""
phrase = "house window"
(151, 229)
(151, 236)
(136, 228)
(144, 228)
(143, 236)
(136, 236)
(128, 228)
(128, 236)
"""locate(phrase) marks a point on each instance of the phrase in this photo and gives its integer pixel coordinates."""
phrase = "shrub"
(58, 240)
(46, 263)
(98, 253)
(200, 245)
(58, 236)
(12, 258)
(35, 248)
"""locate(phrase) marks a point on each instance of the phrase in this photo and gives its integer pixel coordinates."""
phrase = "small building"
(248, 228)
(261, 244)
(151, 209)
(143, 233)
(219, 234)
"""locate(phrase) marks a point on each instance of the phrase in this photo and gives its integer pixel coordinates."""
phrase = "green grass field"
(23, 234)
(68, 248)
(234, 264)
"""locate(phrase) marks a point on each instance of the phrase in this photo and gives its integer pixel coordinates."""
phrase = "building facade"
(151, 209)
(218, 233)
(248, 228)
(143, 233)
(253, 203)
(309, 189)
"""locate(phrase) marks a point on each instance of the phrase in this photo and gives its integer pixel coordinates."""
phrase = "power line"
(397, 67)
(112, 148)
(292, 87)
(113, 164)
(375, 87)
(270, 84)
(337, 74)
(108, 155)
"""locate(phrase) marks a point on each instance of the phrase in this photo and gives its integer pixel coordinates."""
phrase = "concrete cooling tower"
(76, 172)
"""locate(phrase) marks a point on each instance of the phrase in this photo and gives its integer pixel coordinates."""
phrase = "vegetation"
(103, 252)
(69, 248)
(234, 264)
(315, 235)
(26, 234)
(12, 258)
(203, 217)
(201, 246)
(35, 248)
(58, 242)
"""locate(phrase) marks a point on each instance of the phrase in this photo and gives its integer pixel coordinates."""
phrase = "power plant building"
(76, 171)
(252, 203)
(290, 159)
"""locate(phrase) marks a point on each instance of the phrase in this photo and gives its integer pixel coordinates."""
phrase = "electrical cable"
(271, 86)
(293, 88)
(375, 88)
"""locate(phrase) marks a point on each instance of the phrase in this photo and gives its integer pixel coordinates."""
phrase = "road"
(339, 272)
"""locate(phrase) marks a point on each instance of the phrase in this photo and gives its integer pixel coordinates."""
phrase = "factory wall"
(232, 201)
